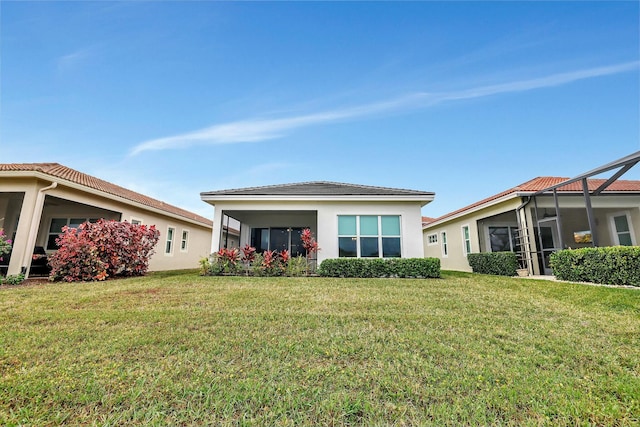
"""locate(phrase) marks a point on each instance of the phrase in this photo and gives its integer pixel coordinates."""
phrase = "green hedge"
(377, 267)
(498, 263)
(617, 265)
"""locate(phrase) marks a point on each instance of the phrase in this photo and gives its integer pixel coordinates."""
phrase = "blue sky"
(463, 99)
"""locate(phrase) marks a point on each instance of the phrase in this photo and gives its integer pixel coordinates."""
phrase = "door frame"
(551, 223)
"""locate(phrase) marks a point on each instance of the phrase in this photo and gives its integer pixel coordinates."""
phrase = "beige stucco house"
(532, 221)
(348, 220)
(38, 199)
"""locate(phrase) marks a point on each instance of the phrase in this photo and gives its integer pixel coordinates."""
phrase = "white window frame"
(170, 242)
(464, 241)
(379, 236)
(444, 244)
(68, 218)
(137, 221)
(614, 232)
(184, 240)
(430, 241)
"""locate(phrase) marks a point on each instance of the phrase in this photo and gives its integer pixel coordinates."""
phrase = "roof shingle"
(317, 188)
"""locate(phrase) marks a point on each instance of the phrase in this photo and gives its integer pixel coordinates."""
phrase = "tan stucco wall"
(456, 259)
(85, 204)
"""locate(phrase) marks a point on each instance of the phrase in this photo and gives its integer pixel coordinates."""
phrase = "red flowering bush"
(227, 260)
(95, 251)
(309, 244)
(248, 253)
(274, 263)
(248, 256)
(269, 263)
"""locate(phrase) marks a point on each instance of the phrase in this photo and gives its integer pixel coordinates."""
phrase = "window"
(184, 242)
(369, 236)
(466, 240)
(432, 239)
(278, 239)
(502, 238)
(136, 221)
(260, 239)
(621, 229)
(55, 228)
(168, 248)
(443, 241)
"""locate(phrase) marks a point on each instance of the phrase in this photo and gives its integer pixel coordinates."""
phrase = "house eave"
(103, 194)
(464, 213)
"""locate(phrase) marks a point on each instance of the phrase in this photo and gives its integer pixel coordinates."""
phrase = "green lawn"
(179, 349)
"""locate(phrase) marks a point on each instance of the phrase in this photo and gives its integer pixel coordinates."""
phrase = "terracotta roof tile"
(62, 172)
(542, 182)
(426, 220)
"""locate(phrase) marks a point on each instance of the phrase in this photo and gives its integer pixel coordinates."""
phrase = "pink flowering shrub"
(95, 251)
(5, 244)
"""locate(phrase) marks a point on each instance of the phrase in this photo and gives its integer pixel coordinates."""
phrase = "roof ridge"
(302, 183)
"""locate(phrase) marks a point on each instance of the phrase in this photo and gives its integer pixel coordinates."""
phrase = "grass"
(179, 349)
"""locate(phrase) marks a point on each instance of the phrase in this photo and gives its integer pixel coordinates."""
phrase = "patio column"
(27, 230)
(216, 232)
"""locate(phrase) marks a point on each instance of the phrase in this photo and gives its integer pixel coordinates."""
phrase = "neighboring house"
(426, 220)
(348, 220)
(38, 199)
(524, 220)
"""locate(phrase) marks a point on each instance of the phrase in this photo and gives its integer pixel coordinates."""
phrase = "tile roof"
(317, 188)
(426, 220)
(543, 182)
(59, 171)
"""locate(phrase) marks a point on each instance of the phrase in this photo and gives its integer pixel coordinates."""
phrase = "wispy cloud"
(256, 130)
(71, 60)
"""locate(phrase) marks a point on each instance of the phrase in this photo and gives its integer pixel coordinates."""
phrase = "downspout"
(33, 230)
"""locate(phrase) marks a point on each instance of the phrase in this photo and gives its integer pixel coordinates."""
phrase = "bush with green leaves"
(378, 267)
(616, 265)
(13, 279)
(496, 263)
(297, 266)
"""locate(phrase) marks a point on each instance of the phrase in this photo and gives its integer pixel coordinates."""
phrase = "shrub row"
(377, 267)
(498, 263)
(617, 265)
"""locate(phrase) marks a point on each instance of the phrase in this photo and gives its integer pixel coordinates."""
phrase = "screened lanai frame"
(621, 166)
